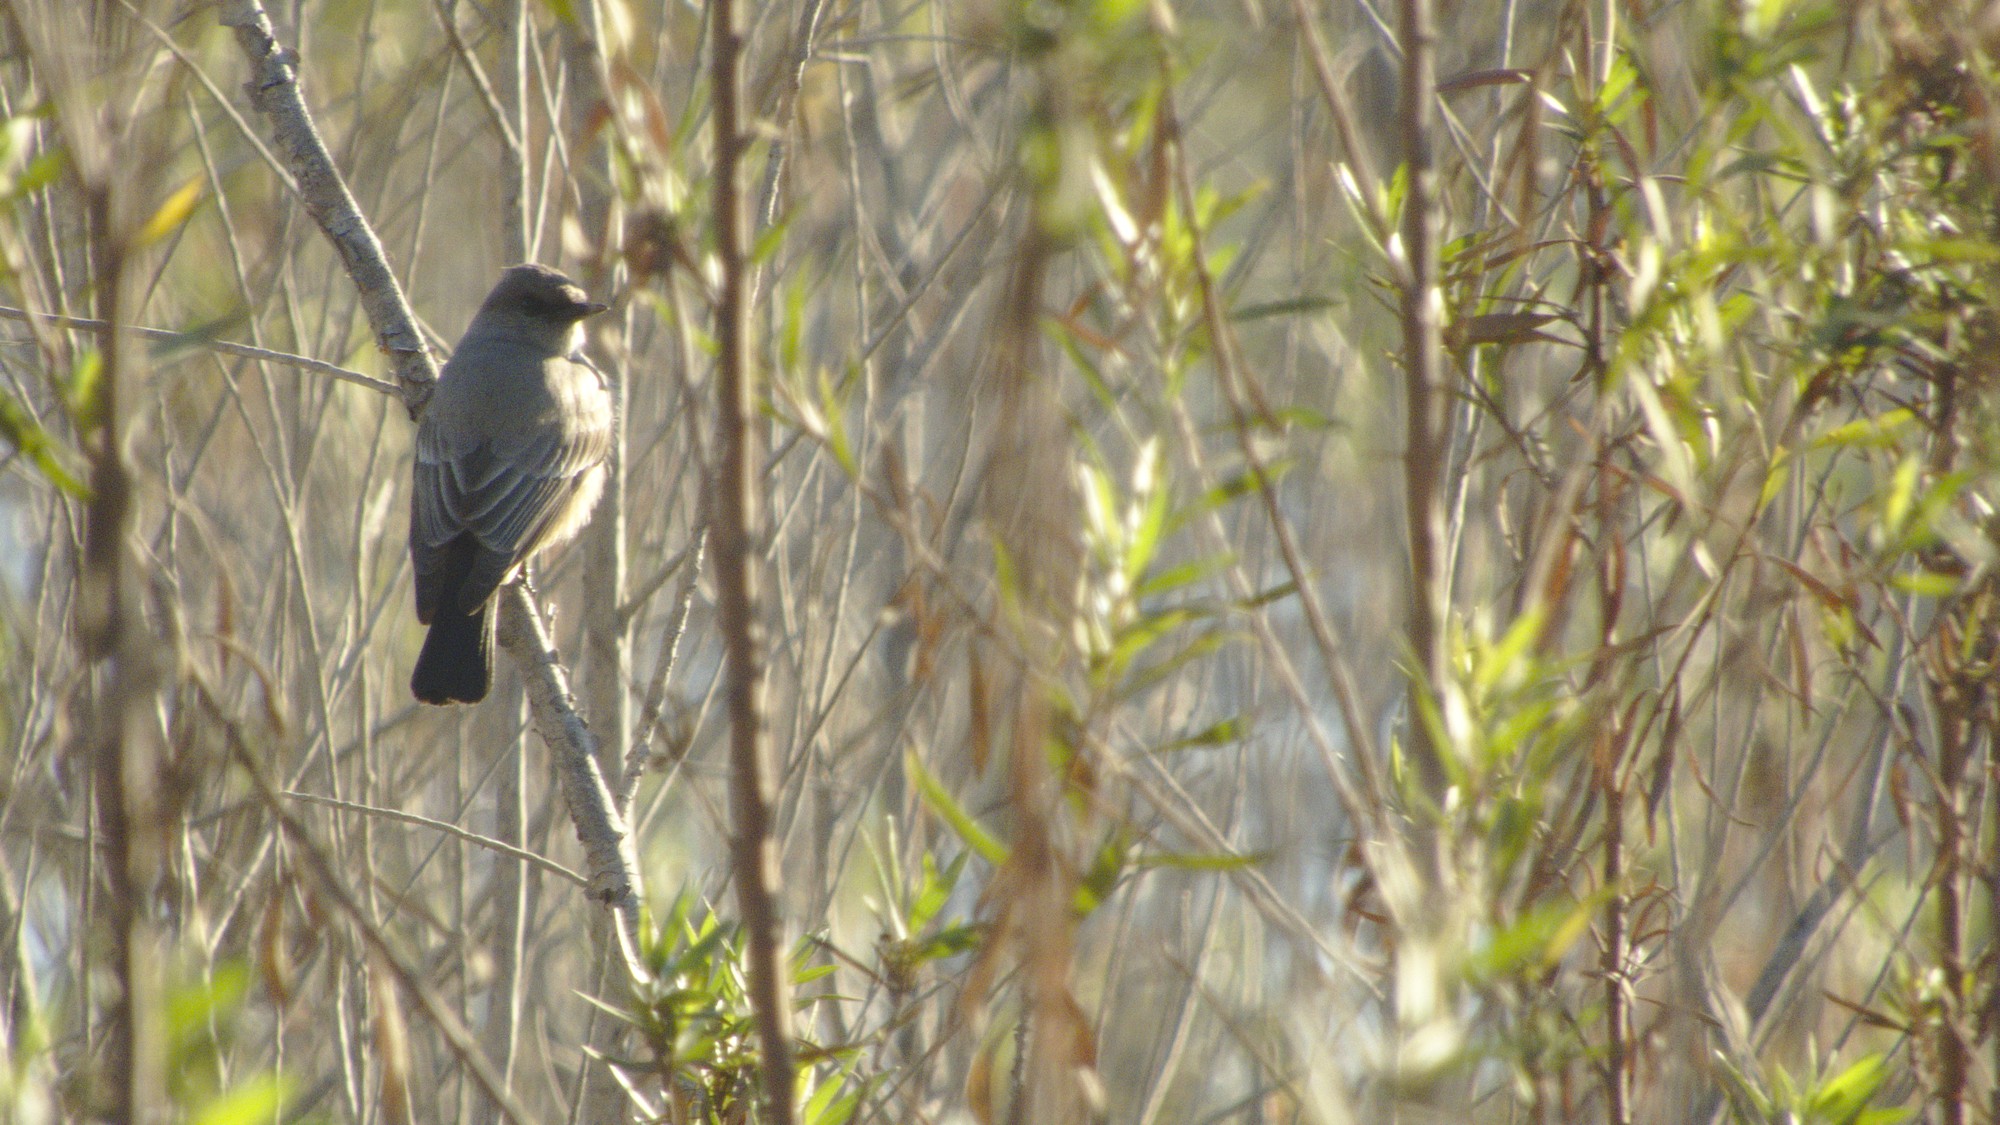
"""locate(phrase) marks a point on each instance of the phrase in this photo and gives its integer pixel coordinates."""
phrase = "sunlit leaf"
(1221, 733)
(172, 213)
(1926, 584)
(257, 1100)
(20, 430)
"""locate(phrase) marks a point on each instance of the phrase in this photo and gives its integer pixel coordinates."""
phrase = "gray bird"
(510, 461)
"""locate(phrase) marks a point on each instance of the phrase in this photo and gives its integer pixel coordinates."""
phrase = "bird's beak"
(595, 307)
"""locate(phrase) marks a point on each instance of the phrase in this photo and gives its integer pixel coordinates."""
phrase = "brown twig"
(1426, 440)
(606, 838)
(498, 847)
(510, 137)
(656, 691)
(1617, 939)
(736, 514)
(1342, 112)
(125, 758)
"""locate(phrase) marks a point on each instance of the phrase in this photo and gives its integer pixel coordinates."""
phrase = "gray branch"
(274, 91)
(600, 827)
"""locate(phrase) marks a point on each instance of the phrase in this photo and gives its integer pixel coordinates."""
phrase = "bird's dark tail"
(457, 661)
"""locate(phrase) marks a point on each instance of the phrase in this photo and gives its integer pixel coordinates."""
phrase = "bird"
(510, 461)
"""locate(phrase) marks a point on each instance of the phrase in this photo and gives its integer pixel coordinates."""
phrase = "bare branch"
(1426, 441)
(274, 90)
(736, 558)
(498, 847)
(168, 336)
(606, 839)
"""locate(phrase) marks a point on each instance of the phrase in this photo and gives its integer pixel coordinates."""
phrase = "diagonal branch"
(274, 91)
(600, 827)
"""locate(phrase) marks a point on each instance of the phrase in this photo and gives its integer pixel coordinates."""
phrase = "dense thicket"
(1123, 769)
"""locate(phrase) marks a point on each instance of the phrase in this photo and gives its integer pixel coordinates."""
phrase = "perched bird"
(510, 461)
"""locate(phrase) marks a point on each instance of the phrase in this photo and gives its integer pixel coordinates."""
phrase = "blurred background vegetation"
(1085, 587)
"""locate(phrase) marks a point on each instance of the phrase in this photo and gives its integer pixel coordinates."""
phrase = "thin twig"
(487, 98)
(330, 884)
(1363, 806)
(1343, 115)
(656, 691)
(498, 847)
(168, 336)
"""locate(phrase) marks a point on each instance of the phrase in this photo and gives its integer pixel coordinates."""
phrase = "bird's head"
(539, 300)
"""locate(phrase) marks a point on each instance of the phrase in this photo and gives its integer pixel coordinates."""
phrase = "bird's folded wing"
(506, 491)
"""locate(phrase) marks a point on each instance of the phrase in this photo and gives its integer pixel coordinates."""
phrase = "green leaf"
(27, 436)
(1100, 507)
(791, 328)
(949, 942)
(1182, 574)
(258, 1100)
(1200, 861)
(1846, 1094)
(1265, 597)
(768, 240)
(43, 170)
(1536, 941)
(1154, 674)
(193, 1007)
(171, 213)
(941, 802)
(1141, 634)
(1897, 503)
(1926, 584)
(1616, 83)
(1234, 487)
(828, 1105)
(1289, 306)
(1223, 733)
(1505, 659)
(1511, 732)
(21, 173)
(833, 407)
(1105, 869)
(563, 10)
(1877, 432)
(1150, 526)
(935, 891)
(84, 390)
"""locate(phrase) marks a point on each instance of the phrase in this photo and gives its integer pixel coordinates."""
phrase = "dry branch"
(600, 827)
(168, 336)
(755, 848)
(1427, 443)
(274, 91)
